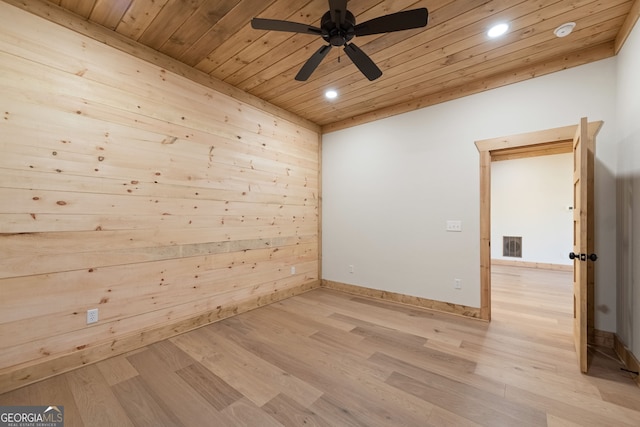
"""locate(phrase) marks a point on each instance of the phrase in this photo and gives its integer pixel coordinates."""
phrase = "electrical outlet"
(457, 284)
(351, 269)
(454, 226)
(92, 316)
(293, 269)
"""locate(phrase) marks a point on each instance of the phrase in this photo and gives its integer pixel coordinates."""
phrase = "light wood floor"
(331, 359)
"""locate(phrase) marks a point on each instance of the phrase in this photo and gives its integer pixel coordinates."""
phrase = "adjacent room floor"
(331, 359)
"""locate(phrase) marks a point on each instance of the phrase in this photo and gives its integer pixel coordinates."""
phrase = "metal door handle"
(582, 257)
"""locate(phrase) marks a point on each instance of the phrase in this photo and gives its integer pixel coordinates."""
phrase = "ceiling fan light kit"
(338, 27)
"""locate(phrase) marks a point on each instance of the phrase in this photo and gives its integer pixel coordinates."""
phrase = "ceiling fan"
(338, 27)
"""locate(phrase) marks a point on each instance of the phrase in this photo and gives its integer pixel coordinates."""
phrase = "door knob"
(582, 257)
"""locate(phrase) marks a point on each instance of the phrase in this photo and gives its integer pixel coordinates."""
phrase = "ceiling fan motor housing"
(338, 35)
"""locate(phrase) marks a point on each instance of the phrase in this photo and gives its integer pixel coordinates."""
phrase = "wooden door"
(581, 140)
(583, 247)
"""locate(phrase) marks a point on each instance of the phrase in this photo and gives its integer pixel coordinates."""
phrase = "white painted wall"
(531, 198)
(389, 186)
(628, 107)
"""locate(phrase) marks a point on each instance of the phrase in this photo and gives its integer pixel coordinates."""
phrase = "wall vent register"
(512, 246)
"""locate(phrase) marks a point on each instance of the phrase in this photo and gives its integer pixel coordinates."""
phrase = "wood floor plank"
(418, 368)
(330, 358)
(174, 393)
(116, 369)
(54, 391)
(210, 386)
(564, 409)
(291, 413)
(532, 379)
(585, 402)
(256, 378)
(607, 374)
(337, 413)
(294, 323)
(173, 358)
(141, 405)
(441, 417)
(471, 404)
(380, 335)
(95, 399)
(340, 375)
(496, 348)
(554, 421)
(317, 312)
(426, 327)
(244, 413)
(234, 365)
(344, 342)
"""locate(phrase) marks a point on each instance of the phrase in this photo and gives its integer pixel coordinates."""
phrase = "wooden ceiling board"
(195, 26)
(168, 20)
(448, 72)
(250, 58)
(109, 13)
(292, 67)
(138, 18)
(79, 7)
(451, 57)
(296, 49)
(242, 47)
(279, 76)
(442, 75)
(224, 29)
(405, 49)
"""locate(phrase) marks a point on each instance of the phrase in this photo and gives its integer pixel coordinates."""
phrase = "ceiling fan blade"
(398, 21)
(312, 63)
(338, 9)
(288, 26)
(363, 62)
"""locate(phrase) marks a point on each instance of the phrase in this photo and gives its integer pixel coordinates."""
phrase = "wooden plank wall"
(130, 189)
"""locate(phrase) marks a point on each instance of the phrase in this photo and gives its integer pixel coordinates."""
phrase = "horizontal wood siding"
(130, 189)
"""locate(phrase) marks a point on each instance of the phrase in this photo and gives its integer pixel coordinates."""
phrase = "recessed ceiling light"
(498, 30)
(331, 94)
(564, 29)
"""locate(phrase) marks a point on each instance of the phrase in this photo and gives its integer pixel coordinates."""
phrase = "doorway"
(531, 212)
(531, 237)
(580, 140)
(551, 141)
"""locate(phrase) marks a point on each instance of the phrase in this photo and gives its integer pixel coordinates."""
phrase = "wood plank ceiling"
(450, 58)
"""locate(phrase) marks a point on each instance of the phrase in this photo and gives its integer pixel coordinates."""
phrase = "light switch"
(454, 226)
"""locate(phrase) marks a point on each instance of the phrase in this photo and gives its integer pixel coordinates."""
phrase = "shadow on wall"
(628, 244)
(605, 240)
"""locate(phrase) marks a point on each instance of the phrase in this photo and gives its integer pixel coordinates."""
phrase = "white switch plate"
(454, 226)
(293, 269)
